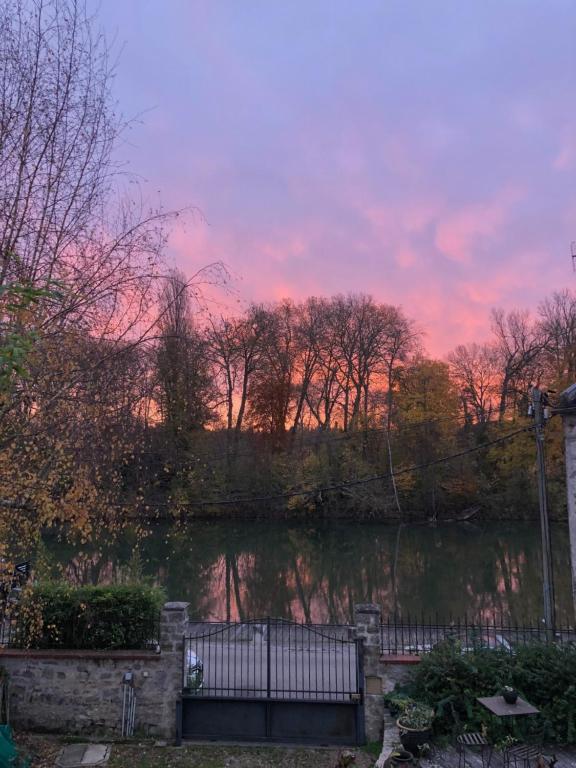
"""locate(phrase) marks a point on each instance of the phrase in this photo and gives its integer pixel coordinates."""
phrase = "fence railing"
(416, 636)
(272, 658)
(8, 630)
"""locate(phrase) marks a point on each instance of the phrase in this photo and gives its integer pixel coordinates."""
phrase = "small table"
(500, 708)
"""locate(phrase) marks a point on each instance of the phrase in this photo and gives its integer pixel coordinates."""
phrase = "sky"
(421, 151)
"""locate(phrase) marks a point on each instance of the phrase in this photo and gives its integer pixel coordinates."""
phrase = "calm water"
(252, 569)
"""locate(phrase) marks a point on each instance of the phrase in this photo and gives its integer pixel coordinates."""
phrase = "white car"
(194, 678)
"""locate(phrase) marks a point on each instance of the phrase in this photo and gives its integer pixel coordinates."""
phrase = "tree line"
(339, 363)
(342, 386)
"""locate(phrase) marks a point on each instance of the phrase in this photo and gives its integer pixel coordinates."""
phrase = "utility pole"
(538, 403)
(567, 410)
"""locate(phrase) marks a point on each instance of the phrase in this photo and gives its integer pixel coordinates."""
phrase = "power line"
(360, 481)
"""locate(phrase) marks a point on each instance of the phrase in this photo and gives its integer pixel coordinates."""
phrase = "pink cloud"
(405, 257)
(387, 251)
(283, 250)
(565, 158)
(396, 227)
(459, 232)
(447, 316)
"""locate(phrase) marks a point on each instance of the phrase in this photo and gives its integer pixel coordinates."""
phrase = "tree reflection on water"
(229, 570)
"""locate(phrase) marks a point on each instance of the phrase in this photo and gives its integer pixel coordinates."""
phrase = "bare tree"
(475, 370)
(57, 132)
(310, 324)
(518, 345)
(325, 389)
(223, 348)
(249, 333)
(558, 326)
(68, 226)
(185, 384)
(273, 384)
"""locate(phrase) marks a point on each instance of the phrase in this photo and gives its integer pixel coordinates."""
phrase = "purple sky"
(422, 151)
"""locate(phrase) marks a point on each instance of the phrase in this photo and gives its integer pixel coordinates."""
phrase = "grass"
(145, 755)
(373, 748)
(218, 756)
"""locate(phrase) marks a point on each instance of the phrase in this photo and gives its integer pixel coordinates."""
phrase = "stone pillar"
(367, 619)
(173, 624)
(569, 422)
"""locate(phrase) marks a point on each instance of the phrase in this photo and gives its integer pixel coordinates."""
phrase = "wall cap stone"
(18, 653)
(390, 658)
(175, 606)
(367, 608)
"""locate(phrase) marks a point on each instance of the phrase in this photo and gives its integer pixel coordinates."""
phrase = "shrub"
(546, 676)
(55, 615)
(451, 681)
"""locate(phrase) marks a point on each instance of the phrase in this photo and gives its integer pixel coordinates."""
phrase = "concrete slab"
(83, 755)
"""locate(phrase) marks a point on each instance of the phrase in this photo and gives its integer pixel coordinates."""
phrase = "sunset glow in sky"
(423, 151)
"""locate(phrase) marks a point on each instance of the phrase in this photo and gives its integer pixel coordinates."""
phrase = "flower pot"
(412, 739)
(400, 757)
(510, 696)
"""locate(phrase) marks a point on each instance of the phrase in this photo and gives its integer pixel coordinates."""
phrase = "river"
(316, 573)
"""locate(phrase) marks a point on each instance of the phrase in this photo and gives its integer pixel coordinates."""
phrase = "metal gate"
(272, 680)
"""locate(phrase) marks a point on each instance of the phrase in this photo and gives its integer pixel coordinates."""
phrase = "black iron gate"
(272, 680)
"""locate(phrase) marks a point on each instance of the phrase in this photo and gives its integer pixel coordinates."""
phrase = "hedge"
(450, 680)
(118, 617)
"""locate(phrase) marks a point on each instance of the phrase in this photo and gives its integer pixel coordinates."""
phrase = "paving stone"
(83, 755)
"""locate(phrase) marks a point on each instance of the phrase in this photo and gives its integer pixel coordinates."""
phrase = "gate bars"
(273, 658)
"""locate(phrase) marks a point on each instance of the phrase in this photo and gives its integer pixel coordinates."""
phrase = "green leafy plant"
(417, 717)
(17, 332)
(397, 702)
(505, 743)
(55, 615)
(451, 682)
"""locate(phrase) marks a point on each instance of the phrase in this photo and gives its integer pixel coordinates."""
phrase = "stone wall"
(381, 673)
(81, 692)
(367, 618)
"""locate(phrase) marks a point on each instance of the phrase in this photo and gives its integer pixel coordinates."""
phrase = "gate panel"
(223, 718)
(313, 722)
(273, 680)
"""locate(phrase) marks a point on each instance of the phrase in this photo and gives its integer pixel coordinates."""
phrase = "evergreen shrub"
(451, 680)
(116, 617)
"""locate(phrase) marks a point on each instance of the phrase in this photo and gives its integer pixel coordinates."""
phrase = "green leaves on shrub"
(451, 681)
(97, 618)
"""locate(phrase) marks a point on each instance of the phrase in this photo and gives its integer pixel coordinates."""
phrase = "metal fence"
(8, 629)
(12, 581)
(272, 658)
(415, 636)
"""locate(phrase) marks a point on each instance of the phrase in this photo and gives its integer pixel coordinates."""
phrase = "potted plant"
(509, 694)
(397, 702)
(415, 726)
(399, 757)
